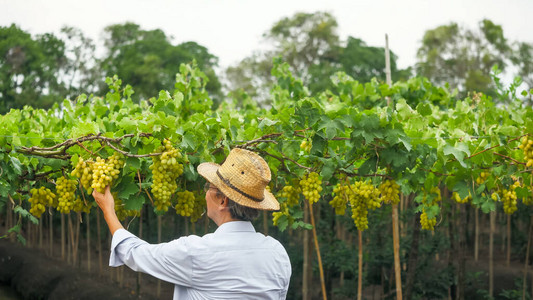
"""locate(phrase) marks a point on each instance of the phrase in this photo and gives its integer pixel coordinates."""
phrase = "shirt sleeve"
(170, 262)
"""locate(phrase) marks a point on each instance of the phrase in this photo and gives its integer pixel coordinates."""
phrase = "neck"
(224, 218)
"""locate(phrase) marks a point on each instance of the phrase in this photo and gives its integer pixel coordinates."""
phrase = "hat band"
(237, 189)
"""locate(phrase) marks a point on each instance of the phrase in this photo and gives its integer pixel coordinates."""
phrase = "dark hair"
(239, 212)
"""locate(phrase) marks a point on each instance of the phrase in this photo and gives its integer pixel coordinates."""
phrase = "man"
(234, 262)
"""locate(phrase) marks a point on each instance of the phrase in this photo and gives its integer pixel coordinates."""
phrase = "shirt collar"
(235, 226)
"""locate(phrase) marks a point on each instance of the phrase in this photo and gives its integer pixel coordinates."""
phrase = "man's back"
(234, 262)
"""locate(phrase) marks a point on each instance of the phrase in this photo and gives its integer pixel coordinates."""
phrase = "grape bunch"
(482, 177)
(427, 223)
(527, 148)
(40, 198)
(66, 192)
(84, 171)
(291, 193)
(508, 198)
(81, 206)
(198, 207)
(311, 187)
(428, 200)
(105, 171)
(185, 205)
(458, 199)
(363, 196)
(306, 145)
(342, 192)
(165, 170)
(390, 192)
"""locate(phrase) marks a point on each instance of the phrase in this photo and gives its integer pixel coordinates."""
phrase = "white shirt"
(234, 262)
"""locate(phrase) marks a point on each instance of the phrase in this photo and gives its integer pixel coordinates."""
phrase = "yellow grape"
(165, 170)
(426, 222)
(185, 205)
(390, 192)
(311, 187)
(66, 192)
(40, 198)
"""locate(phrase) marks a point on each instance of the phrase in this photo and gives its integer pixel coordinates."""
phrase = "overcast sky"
(232, 29)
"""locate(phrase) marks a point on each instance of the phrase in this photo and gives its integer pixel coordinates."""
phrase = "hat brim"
(208, 170)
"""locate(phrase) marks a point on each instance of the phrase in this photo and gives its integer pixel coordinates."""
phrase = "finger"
(108, 189)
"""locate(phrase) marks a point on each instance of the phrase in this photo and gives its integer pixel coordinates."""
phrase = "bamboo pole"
(306, 295)
(317, 248)
(508, 260)
(476, 237)
(491, 253)
(360, 266)
(51, 233)
(99, 242)
(87, 224)
(41, 233)
(396, 241)
(158, 292)
(63, 237)
(527, 258)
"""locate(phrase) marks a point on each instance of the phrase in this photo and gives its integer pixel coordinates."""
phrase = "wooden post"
(396, 241)
(306, 295)
(99, 242)
(360, 266)
(524, 284)
(63, 236)
(491, 253)
(87, 224)
(508, 261)
(476, 238)
(51, 233)
(317, 248)
(158, 293)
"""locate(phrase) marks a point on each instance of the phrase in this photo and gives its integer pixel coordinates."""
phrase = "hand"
(105, 200)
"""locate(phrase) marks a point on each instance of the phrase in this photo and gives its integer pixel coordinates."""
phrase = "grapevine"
(185, 205)
(40, 198)
(84, 171)
(342, 193)
(105, 171)
(426, 222)
(527, 149)
(363, 196)
(311, 187)
(198, 207)
(291, 194)
(390, 192)
(482, 177)
(66, 189)
(458, 199)
(165, 170)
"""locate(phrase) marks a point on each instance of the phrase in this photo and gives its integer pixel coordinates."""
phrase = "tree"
(463, 57)
(29, 68)
(148, 61)
(309, 43)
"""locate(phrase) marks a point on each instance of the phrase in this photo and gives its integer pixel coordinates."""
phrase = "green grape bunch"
(527, 149)
(81, 206)
(342, 192)
(458, 199)
(363, 196)
(185, 205)
(66, 192)
(198, 207)
(105, 171)
(306, 145)
(390, 192)
(426, 222)
(482, 177)
(291, 192)
(509, 198)
(40, 198)
(311, 187)
(165, 170)
(84, 171)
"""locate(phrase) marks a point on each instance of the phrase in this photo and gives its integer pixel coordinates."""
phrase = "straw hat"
(243, 178)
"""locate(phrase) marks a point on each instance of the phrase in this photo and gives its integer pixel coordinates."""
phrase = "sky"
(232, 29)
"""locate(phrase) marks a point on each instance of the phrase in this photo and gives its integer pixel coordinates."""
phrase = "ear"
(224, 202)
